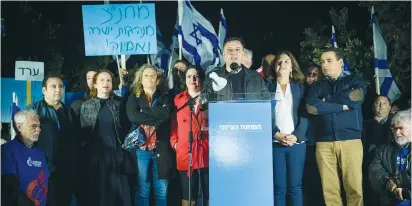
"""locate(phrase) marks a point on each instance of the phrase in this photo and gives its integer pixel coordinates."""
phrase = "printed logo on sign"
(241, 127)
(33, 163)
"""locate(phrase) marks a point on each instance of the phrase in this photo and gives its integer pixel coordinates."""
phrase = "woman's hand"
(290, 139)
(398, 193)
(280, 137)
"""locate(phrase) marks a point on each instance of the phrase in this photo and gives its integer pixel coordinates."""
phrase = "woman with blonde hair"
(148, 109)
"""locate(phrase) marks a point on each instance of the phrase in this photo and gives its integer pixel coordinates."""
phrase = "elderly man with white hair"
(24, 170)
(390, 170)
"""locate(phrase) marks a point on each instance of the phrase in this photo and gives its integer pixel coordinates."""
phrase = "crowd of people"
(323, 151)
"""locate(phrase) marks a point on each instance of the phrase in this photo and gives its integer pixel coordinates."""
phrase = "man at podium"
(240, 132)
(233, 80)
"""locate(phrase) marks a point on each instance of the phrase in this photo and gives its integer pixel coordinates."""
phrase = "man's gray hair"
(21, 116)
(249, 52)
(404, 115)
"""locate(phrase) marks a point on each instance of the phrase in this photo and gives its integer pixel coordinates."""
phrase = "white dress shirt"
(284, 110)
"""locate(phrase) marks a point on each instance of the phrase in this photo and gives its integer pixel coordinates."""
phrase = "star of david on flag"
(200, 45)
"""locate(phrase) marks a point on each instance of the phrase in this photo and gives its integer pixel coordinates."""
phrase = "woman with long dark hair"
(289, 128)
(179, 137)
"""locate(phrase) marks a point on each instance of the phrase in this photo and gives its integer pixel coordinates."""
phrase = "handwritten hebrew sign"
(115, 29)
(28, 70)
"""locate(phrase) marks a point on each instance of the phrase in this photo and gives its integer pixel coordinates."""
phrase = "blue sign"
(116, 29)
(8, 86)
(240, 154)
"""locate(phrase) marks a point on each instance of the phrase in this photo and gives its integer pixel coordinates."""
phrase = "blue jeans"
(288, 164)
(147, 167)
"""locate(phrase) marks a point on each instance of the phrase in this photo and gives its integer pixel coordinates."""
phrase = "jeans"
(147, 167)
(288, 163)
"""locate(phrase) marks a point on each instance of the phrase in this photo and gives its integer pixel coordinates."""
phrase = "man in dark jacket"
(390, 170)
(241, 84)
(337, 100)
(57, 139)
(375, 132)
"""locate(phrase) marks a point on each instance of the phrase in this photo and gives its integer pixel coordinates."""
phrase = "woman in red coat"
(200, 146)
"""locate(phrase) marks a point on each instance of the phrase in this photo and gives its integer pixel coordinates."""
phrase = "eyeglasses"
(180, 69)
(314, 74)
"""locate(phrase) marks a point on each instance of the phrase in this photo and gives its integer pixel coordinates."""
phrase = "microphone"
(235, 67)
(218, 83)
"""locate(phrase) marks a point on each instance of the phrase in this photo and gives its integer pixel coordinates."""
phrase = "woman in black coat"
(106, 165)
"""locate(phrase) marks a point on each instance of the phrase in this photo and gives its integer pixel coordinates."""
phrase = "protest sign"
(29, 70)
(116, 29)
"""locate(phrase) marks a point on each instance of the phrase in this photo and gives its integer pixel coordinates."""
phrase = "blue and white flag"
(222, 35)
(334, 43)
(387, 85)
(175, 40)
(14, 109)
(160, 47)
(200, 45)
(161, 59)
(222, 29)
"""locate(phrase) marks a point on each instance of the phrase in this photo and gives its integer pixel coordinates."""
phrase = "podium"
(240, 151)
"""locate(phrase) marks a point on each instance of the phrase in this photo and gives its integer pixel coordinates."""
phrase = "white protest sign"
(28, 70)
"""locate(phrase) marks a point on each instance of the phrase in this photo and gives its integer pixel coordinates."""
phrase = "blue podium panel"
(240, 156)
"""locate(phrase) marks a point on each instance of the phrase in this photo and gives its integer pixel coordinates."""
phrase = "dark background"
(266, 27)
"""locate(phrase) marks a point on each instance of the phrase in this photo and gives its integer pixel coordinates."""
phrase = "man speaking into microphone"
(233, 81)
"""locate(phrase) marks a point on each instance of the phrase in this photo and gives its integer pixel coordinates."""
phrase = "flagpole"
(179, 36)
(169, 65)
(377, 85)
(148, 60)
(28, 92)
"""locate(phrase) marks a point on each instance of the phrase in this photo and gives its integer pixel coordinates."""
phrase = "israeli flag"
(175, 40)
(334, 43)
(200, 45)
(174, 46)
(14, 109)
(222, 35)
(222, 29)
(387, 84)
(161, 59)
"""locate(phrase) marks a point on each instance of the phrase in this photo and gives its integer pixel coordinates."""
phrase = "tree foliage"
(393, 18)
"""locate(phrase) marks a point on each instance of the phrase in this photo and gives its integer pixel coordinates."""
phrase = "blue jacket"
(299, 117)
(326, 99)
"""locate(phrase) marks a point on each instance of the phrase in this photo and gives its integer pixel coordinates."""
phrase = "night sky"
(266, 27)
